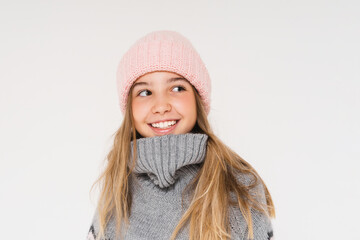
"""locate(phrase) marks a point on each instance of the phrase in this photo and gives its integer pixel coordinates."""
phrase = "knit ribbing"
(161, 157)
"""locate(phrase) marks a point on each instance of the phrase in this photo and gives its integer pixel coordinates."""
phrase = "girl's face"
(163, 103)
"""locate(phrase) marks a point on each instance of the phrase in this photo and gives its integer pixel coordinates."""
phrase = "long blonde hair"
(207, 213)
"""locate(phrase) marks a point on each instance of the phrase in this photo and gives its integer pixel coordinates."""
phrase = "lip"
(166, 130)
(164, 120)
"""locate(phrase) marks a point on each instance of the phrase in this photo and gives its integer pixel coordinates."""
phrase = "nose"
(161, 105)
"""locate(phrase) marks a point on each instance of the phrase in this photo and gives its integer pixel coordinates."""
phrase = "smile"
(164, 127)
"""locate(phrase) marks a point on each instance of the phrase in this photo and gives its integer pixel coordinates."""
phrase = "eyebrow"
(170, 80)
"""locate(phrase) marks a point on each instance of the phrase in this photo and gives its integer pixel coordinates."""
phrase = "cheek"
(187, 106)
(138, 110)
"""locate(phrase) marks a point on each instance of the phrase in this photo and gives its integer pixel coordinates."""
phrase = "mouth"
(164, 127)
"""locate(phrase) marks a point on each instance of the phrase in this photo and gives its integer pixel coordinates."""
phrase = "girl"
(168, 176)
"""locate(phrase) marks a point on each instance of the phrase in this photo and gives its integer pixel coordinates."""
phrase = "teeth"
(163, 124)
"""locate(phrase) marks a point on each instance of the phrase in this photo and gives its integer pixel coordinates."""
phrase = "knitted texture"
(163, 51)
(165, 165)
(155, 151)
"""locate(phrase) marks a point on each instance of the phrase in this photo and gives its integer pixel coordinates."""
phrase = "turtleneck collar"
(163, 158)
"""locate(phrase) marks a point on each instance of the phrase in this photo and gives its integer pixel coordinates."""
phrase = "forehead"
(160, 77)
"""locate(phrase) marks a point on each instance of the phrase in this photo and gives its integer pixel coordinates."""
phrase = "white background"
(286, 89)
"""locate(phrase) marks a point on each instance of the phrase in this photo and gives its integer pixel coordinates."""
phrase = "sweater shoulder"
(262, 225)
(257, 190)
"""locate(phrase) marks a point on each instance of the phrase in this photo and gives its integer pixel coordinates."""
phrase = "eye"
(144, 93)
(179, 88)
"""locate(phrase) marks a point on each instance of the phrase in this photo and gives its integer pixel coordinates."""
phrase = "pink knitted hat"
(163, 51)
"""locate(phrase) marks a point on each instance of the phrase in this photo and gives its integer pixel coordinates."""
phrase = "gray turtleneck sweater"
(164, 166)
